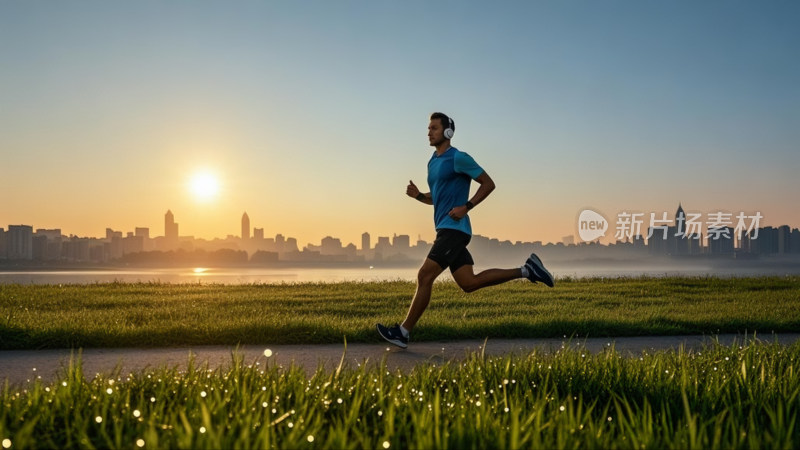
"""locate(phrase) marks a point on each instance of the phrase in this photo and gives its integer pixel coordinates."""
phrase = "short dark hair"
(445, 120)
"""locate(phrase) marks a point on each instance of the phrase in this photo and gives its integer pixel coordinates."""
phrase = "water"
(207, 275)
(332, 275)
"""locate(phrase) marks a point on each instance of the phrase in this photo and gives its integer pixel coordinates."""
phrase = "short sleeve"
(466, 165)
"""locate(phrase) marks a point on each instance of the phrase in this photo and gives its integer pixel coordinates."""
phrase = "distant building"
(679, 240)
(365, 241)
(674, 240)
(110, 234)
(3, 245)
(331, 246)
(383, 244)
(765, 242)
(401, 242)
(721, 243)
(85, 249)
(20, 242)
(39, 247)
(132, 244)
(258, 234)
(784, 240)
(144, 233)
(49, 234)
(290, 245)
(245, 227)
(115, 249)
(170, 231)
(47, 244)
(657, 242)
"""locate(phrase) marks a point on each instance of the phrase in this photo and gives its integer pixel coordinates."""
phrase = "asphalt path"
(20, 367)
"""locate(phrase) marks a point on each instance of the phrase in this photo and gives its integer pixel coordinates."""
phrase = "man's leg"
(467, 280)
(425, 277)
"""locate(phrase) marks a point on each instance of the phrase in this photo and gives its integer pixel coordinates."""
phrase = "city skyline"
(313, 117)
(659, 230)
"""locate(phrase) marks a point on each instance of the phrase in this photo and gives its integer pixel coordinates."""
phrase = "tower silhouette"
(245, 227)
(680, 221)
(170, 227)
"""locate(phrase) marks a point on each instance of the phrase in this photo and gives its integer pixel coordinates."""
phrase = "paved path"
(22, 366)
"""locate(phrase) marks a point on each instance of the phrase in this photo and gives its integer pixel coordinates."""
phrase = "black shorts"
(450, 249)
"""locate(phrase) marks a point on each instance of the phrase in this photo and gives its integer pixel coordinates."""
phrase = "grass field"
(151, 315)
(718, 397)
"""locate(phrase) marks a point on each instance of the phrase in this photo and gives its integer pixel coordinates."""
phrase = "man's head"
(440, 129)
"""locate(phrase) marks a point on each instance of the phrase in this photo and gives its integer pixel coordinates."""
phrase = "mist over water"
(228, 275)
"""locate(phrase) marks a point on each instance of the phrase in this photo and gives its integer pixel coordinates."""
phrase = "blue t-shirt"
(449, 176)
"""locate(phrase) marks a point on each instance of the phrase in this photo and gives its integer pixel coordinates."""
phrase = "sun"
(204, 186)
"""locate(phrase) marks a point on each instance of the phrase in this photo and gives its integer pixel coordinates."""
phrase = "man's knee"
(468, 285)
(426, 276)
(466, 280)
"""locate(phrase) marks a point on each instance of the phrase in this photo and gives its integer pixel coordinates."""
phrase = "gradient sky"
(314, 114)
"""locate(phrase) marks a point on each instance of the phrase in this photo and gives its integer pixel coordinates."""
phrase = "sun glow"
(204, 186)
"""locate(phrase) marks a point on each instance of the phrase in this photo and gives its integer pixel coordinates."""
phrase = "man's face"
(435, 132)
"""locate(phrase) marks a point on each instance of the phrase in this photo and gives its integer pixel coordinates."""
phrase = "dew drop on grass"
(140, 442)
(267, 353)
(98, 419)
(136, 413)
(310, 438)
(202, 430)
(386, 444)
(6, 443)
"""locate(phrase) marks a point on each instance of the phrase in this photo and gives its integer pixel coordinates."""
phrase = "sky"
(312, 115)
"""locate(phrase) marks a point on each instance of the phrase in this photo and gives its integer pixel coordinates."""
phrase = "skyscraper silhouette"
(680, 221)
(170, 227)
(365, 241)
(245, 227)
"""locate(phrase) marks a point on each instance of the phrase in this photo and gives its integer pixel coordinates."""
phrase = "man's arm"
(486, 187)
(413, 191)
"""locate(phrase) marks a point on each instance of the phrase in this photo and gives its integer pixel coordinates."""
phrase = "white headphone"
(448, 132)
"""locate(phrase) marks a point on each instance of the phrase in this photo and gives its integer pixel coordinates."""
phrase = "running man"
(450, 172)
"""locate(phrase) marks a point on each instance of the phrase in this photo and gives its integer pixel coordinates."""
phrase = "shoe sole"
(393, 341)
(549, 281)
